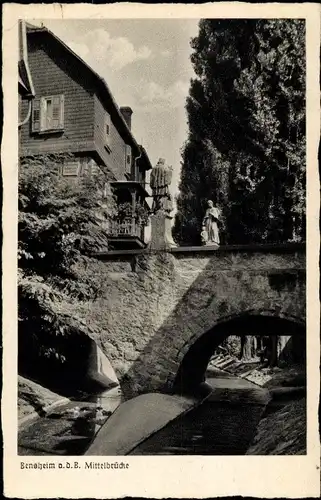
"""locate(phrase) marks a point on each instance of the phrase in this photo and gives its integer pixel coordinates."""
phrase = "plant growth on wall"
(59, 227)
(140, 214)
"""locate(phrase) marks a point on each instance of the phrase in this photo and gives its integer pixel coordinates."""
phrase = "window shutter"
(55, 112)
(128, 158)
(43, 114)
(62, 111)
(89, 167)
(85, 167)
(95, 170)
(35, 123)
(71, 168)
(57, 121)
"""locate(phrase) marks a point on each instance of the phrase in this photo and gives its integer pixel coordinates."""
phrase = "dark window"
(128, 159)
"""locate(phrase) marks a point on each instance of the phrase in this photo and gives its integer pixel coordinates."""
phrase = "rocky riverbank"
(282, 428)
(281, 432)
(49, 424)
(34, 399)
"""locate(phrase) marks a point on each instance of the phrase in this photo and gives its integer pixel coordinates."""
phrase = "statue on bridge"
(161, 233)
(160, 180)
(210, 233)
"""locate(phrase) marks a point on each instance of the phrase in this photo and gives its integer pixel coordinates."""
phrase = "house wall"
(114, 155)
(54, 71)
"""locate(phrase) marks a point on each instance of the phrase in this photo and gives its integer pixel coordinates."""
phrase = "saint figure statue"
(210, 235)
(160, 179)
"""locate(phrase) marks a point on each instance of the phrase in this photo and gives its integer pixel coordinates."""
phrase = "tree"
(60, 225)
(246, 142)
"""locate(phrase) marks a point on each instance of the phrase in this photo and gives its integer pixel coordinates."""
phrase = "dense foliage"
(60, 225)
(246, 143)
(140, 214)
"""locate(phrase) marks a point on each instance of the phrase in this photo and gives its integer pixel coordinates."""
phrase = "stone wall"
(155, 306)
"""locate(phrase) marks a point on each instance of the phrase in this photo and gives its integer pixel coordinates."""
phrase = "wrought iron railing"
(127, 227)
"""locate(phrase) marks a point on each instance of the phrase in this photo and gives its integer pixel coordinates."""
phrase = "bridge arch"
(157, 305)
(194, 355)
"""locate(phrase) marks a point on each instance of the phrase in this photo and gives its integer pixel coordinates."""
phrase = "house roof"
(23, 85)
(105, 91)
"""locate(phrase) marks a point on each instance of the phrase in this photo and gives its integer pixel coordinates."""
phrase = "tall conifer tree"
(246, 143)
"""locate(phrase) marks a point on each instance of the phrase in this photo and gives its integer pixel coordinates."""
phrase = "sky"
(146, 64)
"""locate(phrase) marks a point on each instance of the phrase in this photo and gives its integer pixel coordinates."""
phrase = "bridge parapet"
(273, 248)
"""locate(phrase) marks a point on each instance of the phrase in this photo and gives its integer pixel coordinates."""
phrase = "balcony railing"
(125, 228)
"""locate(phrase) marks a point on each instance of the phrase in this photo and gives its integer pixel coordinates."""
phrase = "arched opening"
(194, 364)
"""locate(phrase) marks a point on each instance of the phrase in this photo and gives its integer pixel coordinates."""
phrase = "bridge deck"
(282, 248)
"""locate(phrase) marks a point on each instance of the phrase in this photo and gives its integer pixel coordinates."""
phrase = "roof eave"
(24, 70)
(147, 161)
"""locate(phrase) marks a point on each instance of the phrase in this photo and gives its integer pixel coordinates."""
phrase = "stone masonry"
(156, 305)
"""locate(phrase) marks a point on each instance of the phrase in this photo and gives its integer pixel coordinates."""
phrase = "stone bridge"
(163, 313)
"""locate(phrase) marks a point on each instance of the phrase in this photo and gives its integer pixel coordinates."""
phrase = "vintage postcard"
(160, 280)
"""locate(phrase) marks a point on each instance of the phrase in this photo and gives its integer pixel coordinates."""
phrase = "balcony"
(127, 230)
(126, 234)
(138, 187)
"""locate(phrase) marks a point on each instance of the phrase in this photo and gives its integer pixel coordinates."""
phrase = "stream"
(224, 423)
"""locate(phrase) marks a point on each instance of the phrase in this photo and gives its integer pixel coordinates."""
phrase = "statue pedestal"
(212, 245)
(161, 232)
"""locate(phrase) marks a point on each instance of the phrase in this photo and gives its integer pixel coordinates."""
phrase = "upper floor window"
(128, 159)
(92, 167)
(79, 166)
(107, 129)
(71, 168)
(48, 113)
